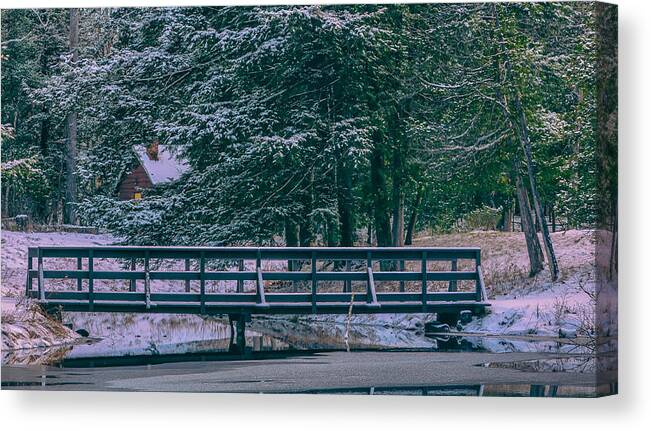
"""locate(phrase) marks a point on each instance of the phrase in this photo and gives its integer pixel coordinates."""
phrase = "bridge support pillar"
(239, 347)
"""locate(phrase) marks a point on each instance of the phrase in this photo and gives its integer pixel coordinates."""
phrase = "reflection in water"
(582, 364)
(498, 390)
(574, 364)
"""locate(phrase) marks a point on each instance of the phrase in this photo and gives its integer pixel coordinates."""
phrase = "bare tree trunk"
(398, 197)
(398, 228)
(507, 223)
(345, 205)
(369, 233)
(414, 214)
(70, 215)
(381, 205)
(291, 233)
(381, 217)
(291, 240)
(526, 147)
(528, 228)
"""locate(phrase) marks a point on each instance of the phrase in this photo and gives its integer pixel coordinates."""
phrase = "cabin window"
(137, 196)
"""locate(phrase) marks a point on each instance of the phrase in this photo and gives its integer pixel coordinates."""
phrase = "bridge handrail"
(259, 275)
(267, 253)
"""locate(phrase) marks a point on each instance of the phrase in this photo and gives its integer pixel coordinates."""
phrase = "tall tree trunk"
(526, 147)
(291, 233)
(291, 240)
(398, 201)
(528, 228)
(369, 233)
(70, 215)
(306, 233)
(414, 214)
(507, 222)
(381, 210)
(345, 205)
(44, 137)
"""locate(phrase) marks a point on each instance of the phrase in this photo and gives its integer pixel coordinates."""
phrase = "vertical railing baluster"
(348, 284)
(132, 281)
(187, 268)
(147, 282)
(479, 275)
(41, 279)
(402, 269)
(240, 282)
(314, 282)
(91, 287)
(452, 286)
(258, 265)
(259, 281)
(202, 281)
(369, 271)
(423, 268)
(29, 282)
(79, 268)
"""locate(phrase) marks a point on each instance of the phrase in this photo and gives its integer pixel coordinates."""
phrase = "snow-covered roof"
(166, 168)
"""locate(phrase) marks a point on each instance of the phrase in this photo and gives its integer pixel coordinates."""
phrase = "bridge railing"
(86, 297)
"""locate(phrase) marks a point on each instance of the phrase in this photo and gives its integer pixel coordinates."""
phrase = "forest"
(307, 125)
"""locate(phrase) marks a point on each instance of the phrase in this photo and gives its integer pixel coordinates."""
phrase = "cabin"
(157, 164)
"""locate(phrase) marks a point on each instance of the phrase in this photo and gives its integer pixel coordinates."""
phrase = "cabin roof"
(168, 167)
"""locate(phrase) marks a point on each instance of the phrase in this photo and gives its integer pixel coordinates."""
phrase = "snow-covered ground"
(520, 305)
(523, 305)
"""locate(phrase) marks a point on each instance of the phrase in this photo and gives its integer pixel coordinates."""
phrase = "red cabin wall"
(135, 181)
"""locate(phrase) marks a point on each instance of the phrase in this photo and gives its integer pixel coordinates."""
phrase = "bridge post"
(480, 279)
(30, 265)
(202, 282)
(91, 289)
(132, 282)
(423, 268)
(187, 268)
(453, 283)
(240, 283)
(79, 267)
(41, 278)
(147, 281)
(314, 282)
(348, 284)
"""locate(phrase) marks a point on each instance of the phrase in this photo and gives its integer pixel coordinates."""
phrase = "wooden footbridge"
(395, 267)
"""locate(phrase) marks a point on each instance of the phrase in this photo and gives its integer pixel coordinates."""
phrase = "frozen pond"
(190, 353)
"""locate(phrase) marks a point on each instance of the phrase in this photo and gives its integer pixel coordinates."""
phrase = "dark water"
(470, 365)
